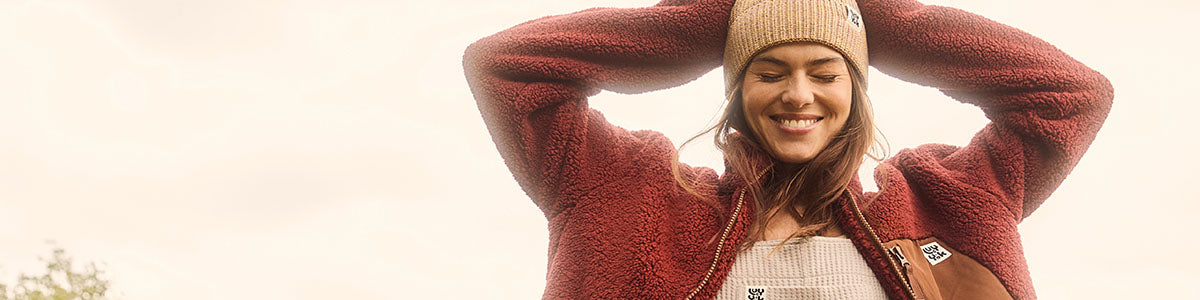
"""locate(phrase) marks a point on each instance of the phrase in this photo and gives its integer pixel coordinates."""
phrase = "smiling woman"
(627, 220)
(796, 98)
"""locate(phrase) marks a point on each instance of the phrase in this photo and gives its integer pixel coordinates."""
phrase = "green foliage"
(60, 282)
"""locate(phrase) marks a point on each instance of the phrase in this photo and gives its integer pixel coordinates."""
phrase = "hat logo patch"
(853, 17)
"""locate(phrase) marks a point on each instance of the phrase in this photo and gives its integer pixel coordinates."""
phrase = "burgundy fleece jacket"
(621, 227)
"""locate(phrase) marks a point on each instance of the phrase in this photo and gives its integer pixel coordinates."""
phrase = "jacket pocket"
(935, 271)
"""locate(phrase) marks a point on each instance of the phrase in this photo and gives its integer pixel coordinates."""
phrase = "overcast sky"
(309, 149)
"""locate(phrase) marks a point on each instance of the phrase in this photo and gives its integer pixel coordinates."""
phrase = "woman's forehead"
(799, 54)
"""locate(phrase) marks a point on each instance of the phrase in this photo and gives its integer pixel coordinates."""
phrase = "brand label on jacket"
(935, 253)
(756, 293)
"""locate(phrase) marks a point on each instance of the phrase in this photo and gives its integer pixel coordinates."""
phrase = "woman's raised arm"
(532, 81)
(1045, 108)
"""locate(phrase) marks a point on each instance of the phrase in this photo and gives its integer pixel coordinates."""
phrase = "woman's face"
(796, 97)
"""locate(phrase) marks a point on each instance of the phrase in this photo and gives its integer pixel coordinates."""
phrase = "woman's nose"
(798, 93)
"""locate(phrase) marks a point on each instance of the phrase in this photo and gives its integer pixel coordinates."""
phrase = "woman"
(627, 220)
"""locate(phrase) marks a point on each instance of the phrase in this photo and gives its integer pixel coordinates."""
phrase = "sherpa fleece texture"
(620, 226)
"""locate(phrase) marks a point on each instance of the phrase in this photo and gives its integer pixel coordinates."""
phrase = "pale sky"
(233, 149)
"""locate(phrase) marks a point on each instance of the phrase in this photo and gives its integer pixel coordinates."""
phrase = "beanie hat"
(755, 25)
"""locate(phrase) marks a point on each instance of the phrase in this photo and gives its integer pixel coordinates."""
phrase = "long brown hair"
(805, 191)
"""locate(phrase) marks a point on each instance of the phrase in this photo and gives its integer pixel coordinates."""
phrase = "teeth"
(797, 124)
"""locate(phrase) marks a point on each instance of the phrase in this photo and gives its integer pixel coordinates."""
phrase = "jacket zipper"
(896, 253)
(720, 245)
(908, 270)
(875, 238)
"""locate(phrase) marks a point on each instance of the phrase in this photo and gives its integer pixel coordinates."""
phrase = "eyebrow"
(810, 64)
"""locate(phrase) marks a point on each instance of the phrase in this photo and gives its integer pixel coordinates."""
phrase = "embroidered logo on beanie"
(853, 17)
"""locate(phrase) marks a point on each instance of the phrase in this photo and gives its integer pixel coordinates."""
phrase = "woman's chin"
(793, 157)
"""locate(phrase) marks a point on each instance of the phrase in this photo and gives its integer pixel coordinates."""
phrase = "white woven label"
(756, 293)
(853, 17)
(934, 253)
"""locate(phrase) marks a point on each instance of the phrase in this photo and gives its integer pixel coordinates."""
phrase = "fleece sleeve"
(531, 83)
(1044, 107)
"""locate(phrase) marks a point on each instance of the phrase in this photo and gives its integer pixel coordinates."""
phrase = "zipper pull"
(911, 279)
(899, 255)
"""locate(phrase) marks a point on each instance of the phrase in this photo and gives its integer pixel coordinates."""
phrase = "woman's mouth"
(797, 126)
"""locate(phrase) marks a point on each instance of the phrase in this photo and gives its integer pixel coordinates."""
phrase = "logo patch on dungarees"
(934, 253)
(756, 293)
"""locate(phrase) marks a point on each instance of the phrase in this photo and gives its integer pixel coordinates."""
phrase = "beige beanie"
(755, 25)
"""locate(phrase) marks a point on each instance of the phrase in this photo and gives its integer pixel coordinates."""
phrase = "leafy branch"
(59, 282)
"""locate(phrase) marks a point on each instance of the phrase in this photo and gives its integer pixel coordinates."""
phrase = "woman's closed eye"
(826, 78)
(769, 77)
